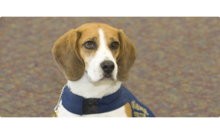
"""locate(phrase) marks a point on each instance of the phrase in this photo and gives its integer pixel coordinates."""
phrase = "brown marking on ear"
(126, 57)
(128, 110)
(66, 54)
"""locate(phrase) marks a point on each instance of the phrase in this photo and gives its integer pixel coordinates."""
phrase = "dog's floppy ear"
(126, 58)
(66, 53)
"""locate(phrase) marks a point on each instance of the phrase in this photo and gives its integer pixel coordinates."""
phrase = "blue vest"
(79, 105)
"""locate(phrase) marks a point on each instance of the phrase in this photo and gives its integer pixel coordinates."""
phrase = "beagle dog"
(95, 59)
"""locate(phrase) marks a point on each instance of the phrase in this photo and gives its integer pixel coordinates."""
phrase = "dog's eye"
(114, 45)
(90, 45)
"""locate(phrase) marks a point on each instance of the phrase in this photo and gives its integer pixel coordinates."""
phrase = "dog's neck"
(87, 89)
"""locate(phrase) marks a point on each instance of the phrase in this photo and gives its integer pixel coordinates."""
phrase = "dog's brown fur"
(70, 54)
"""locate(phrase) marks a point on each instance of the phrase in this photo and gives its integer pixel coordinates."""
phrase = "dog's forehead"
(91, 30)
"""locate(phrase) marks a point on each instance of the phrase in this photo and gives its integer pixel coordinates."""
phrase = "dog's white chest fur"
(120, 112)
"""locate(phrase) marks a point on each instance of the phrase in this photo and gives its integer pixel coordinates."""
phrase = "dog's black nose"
(107, 66)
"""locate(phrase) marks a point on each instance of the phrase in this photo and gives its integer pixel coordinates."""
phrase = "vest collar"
(79, 105)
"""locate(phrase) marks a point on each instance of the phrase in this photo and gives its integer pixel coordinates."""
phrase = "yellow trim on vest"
(128, 110)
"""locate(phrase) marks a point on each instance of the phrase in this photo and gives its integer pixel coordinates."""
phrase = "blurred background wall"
(176, 73)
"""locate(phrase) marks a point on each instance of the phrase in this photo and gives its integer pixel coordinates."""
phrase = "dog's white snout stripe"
(102, 40)
(103, 53)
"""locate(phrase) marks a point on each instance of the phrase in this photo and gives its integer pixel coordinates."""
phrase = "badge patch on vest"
(137, 107)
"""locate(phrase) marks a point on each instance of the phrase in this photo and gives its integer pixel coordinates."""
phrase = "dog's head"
(102, 51)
